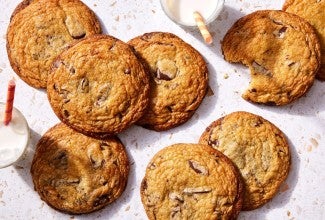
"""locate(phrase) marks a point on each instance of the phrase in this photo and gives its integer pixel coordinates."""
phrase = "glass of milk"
(181, 11)
(14, 137)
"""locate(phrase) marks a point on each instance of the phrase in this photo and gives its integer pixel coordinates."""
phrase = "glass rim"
(209, 20)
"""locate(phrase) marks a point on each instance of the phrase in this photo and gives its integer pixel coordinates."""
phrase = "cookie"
(179, 79)
(98, 86)
(314, 13)
(39, 30)
(259, 150)
(282, 52)
(78, 174)
(191, 181)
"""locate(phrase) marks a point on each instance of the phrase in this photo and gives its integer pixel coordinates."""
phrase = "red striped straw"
(202, 27)
(10, 101)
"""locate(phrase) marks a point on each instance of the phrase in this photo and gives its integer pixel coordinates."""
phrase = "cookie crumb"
(288, 213)
(309, 148)
(112, 5)
(284, 187)
(314, 142)
(210, 92)
(117, 18)
(18, 167)
(127, 208)
(225, 76)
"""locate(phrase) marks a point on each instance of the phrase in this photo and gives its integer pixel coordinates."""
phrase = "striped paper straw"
(10, 101)
(202, 27)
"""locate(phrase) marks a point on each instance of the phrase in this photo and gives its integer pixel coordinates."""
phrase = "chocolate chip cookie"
(191, 181)
(314, 13)
(39, 30)
(259, 150)
(179, 79)
(77, 174)
(282, 52)
(98, 86)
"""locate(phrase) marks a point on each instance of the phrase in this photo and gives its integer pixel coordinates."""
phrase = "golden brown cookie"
(77, 174)
(98, 86)
(191, 181)
(39, 30)
(314, 13)
(282, 52)
(179, 79)
(258, 148)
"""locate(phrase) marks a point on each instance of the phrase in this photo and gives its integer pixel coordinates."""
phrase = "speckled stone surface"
(302, 196)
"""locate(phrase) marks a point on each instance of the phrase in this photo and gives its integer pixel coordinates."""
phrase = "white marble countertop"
(302, 196)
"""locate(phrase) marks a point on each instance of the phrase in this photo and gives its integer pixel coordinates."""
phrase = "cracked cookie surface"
(39, 30)
(314, 13)
(282, 52)
(259, 150)
(191, 181)
(179, 79)
(98, 86)
(78, 174)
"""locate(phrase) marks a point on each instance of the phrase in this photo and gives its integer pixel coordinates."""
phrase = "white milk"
(13, 137)
(181, 11)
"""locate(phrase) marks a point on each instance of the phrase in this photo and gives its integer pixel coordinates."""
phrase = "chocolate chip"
(74, 27)
(277, 22)
(261, 69)
(103, 95)
(270, 103)
(72, 70)
(152, 166)
(169, 108)
(213, 143)
(73, 181)
(81, 35)
(144, 184)
(55, 87)
(253, 90)
(127, 71)
(198, 168)
(66, 113)
(60, 161)
(258, 123)
(96, 163)
(112, 46)
(103, 181)
(282, 30)
(175, 213)
(146, 37)
(84, 85)
(176, 197)
(280, 33)
(162, 76)
(101, 200)
(57, 63)
(203, 189)
(289, 94)
(103, 145)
